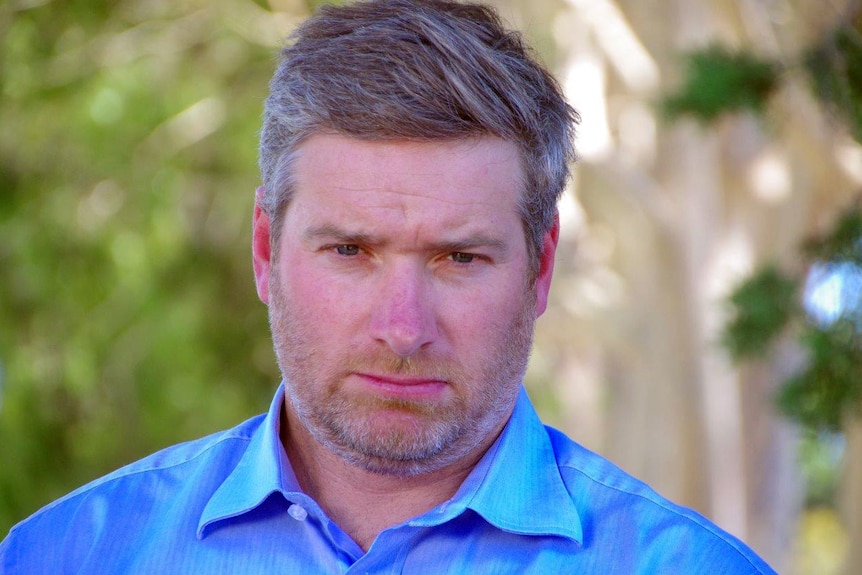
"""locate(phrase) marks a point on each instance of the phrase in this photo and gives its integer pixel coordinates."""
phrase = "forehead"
(455, 179)
(468, 169)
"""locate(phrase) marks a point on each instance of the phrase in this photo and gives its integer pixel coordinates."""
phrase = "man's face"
(400, 302)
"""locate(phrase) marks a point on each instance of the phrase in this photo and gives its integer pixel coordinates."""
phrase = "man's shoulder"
(613, 505)
(590, 470)
(186, 455)
(172, 473)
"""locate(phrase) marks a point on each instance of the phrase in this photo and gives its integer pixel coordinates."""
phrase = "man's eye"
(347, 250)
(462, 258)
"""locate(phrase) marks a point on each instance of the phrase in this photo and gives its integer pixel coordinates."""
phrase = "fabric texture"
(229, 503)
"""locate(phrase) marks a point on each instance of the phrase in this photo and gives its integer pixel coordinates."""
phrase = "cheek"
(316, 298)
(483, 315)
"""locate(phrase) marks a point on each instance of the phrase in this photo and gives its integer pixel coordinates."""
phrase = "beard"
(399, 437)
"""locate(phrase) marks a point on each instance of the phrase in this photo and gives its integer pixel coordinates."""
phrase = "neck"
(361, 502)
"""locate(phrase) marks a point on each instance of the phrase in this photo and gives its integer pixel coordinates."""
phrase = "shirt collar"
(517, 486)
(262, 470)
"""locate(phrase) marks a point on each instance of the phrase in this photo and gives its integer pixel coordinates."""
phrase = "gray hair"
(418, 70)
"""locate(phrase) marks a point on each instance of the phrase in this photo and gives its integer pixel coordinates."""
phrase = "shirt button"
(297, 512)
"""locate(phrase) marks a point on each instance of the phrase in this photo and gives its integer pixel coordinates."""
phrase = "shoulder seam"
(676, 509)
(127, 471)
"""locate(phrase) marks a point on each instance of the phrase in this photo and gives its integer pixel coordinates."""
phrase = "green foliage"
(829, 387)
(820, 455)
(763, 306)
(826, 391)
(843, 244)
(718, 81)
(768, 304)
(835, 68)
(128, 315)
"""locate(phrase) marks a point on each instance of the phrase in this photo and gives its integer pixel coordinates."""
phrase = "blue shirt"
(229, 503)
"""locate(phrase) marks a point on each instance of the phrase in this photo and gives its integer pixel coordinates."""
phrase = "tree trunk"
(851, 497)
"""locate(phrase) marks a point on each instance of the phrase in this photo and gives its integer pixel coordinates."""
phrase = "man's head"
(412, 156)
(420, 70)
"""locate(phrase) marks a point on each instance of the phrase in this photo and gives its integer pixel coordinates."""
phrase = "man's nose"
(404, 317)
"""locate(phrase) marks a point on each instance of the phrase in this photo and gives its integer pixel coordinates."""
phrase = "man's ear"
(546, 265)
(260, 247)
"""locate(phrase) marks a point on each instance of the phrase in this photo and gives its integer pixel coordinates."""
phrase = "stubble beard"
(428, 435)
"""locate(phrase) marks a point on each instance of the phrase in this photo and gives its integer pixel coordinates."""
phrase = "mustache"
(418, 366)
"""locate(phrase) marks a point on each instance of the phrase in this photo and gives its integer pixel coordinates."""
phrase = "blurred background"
(705, 331)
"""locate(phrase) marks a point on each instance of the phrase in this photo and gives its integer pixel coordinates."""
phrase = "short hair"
(420, 70)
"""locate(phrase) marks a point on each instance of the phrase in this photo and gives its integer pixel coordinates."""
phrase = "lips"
(405, 387)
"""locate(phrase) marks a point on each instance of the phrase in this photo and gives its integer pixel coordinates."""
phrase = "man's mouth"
(403, 387)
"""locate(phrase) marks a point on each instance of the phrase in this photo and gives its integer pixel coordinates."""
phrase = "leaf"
(835, 68)
(719, 81)
(762, 306)
(843, 244)
(829, 388)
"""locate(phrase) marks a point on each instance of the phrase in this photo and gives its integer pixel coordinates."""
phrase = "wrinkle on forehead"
(409, 204)
(341, 153)
(443, 191)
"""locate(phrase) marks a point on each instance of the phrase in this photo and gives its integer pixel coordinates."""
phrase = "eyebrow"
(332, 232)
(472, 242)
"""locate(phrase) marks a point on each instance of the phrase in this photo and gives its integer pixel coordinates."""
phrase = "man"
(412, 155)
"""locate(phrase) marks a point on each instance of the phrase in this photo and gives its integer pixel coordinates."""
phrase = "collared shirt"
(230, 503)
